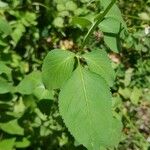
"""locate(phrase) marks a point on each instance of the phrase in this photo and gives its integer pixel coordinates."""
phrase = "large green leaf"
(99, 63)
(85, 105)
(12, 127)
(57, 68)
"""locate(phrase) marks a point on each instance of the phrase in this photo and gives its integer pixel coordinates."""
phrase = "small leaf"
(113, 42)
(5, 86)
(22, 143)
(5, 27)
(3, 4)
(12, 127)
(125, 92)
(58, 22)
(57, 68)
(29, 83)
(41, 93)
(6, 70)
(85, 105)
(135, 95)
(7, 144)
(70, 5)
(81, 22)
(99, 63)
(17, 33)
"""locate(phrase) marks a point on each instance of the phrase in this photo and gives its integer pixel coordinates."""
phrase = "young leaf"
(57, 68)
(85, 105)
(99, 63)
(12, 127)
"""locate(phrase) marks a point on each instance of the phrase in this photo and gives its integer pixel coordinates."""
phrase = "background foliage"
(28, 31)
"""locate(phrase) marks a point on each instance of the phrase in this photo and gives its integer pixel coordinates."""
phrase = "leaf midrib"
(86, 101)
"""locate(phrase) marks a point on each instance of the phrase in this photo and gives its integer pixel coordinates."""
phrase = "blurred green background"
(29, 29)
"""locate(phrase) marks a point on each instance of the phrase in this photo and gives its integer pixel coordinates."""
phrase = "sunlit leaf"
(57, 68)
(99, 63)
(85, 105)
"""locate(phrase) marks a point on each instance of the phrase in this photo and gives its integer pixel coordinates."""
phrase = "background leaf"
(113, 42)
(12, 127)
(110, 25)
(7, 144)
(4, 26)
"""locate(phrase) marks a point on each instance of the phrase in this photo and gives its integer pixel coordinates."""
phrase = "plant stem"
(99, 19)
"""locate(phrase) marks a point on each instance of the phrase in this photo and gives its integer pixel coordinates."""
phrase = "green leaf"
(7, 144)
(17, 33)
(135, 95)
(110, 25)
(81, 22)
(70, 5)
(41, 93)
(85, 106)
(125, 92)
(113, 42)
(32, 84)
(12, 127)
(5, 86)
(57, 68)
(4, 27)
(3, 4)
(114, 12)
(115, 133)
(22, 143)
(58, 22)
(99, 63)
(6, 70)
(29, 83)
